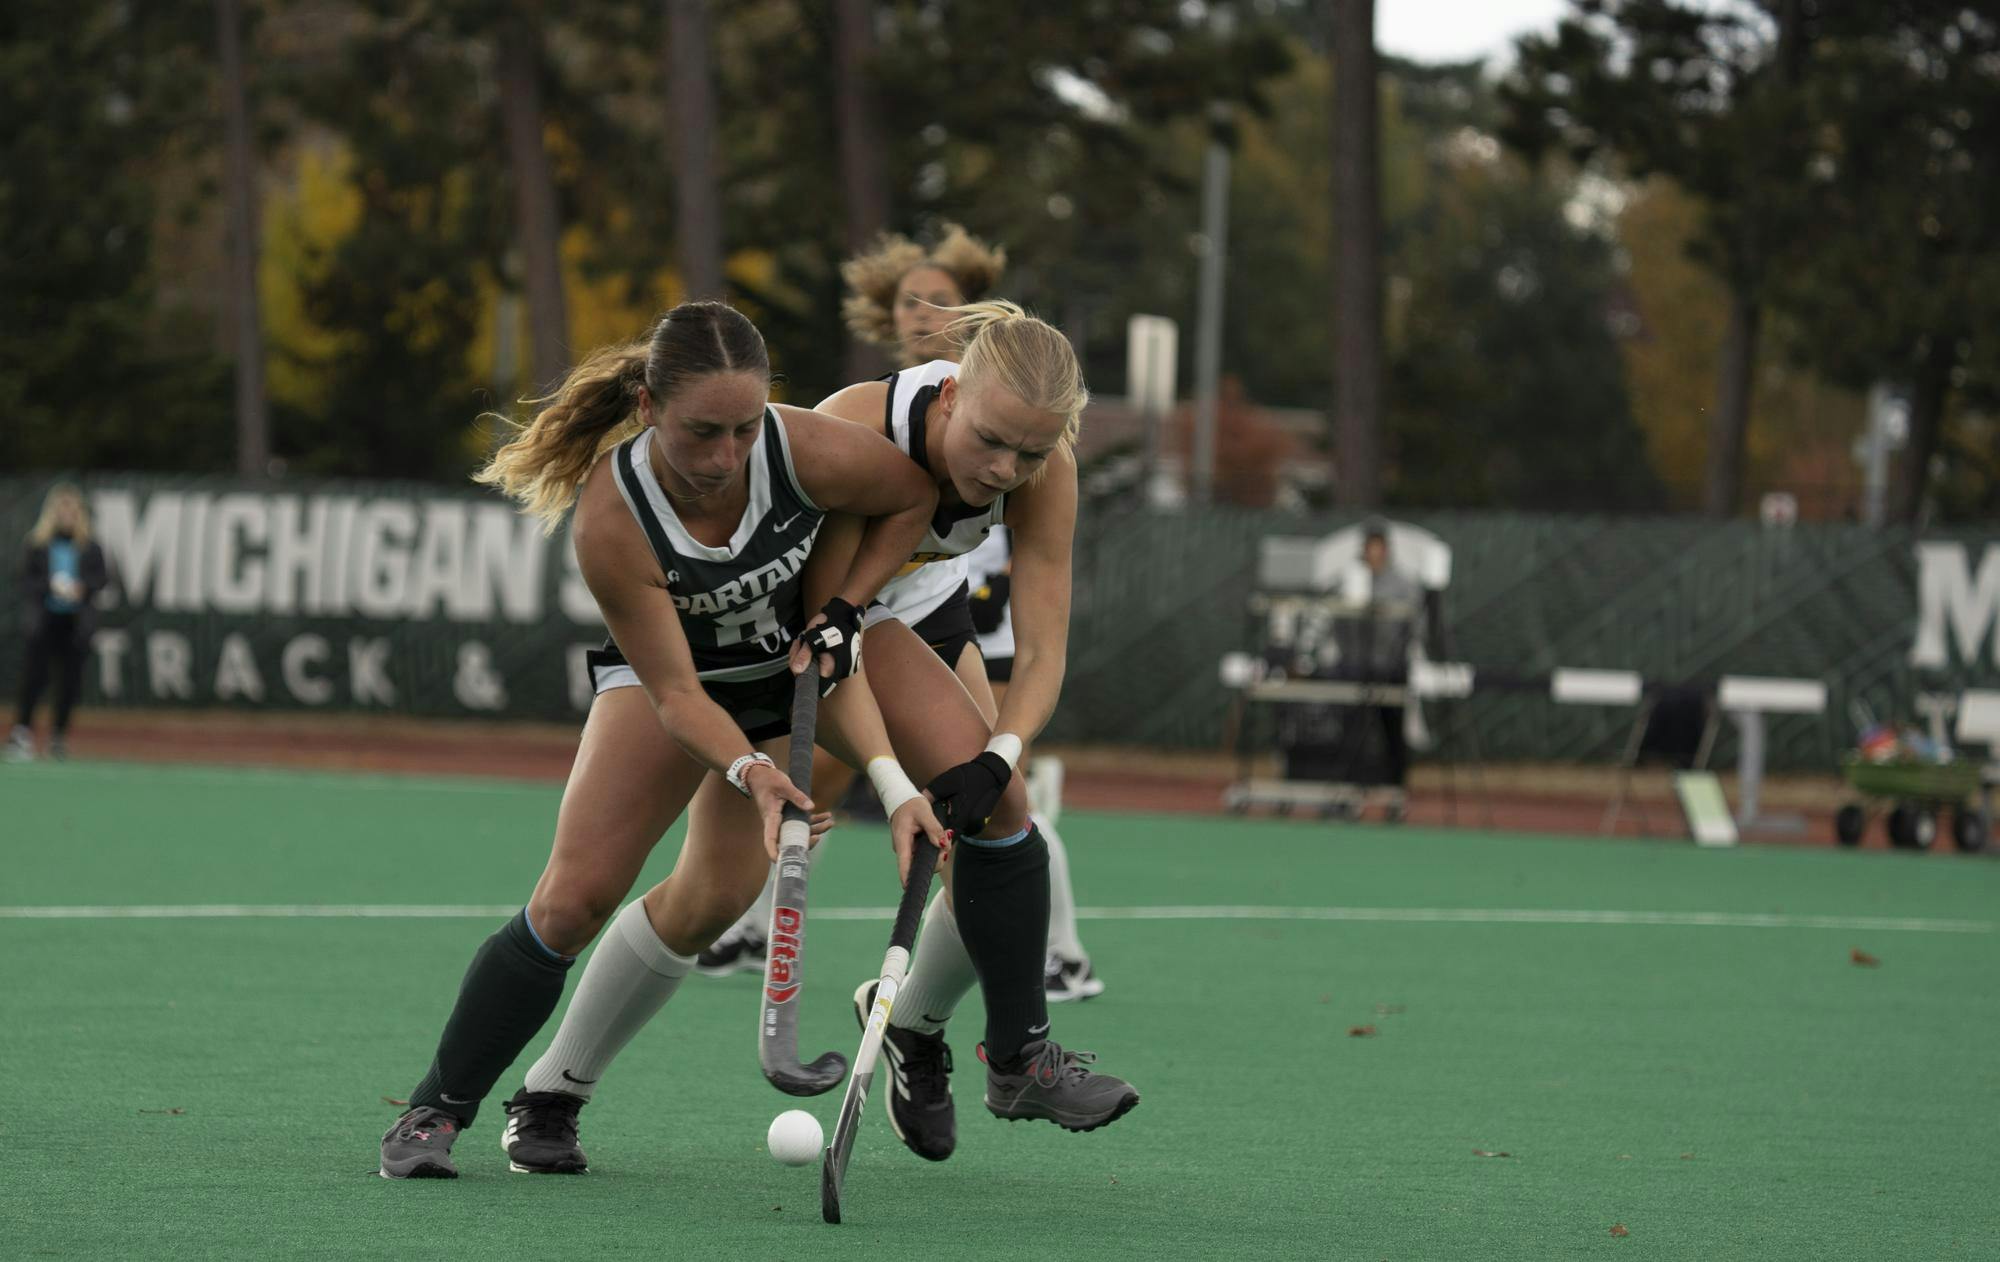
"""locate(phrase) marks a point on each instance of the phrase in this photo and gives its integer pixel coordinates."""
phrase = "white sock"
(1045, 790)
(629, 978)
(757, 920)
(940, 973)
(1063, 939)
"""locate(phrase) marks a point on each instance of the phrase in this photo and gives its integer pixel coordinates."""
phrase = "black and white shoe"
(919, 1094)
(740, 947)
(418, 1146)
(1065, 981)
(541, 1133)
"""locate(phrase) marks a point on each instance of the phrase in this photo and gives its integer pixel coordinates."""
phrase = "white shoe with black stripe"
(1065, 981)
(740, 947)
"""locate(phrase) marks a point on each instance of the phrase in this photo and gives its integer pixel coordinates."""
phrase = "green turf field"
(1719, 1078)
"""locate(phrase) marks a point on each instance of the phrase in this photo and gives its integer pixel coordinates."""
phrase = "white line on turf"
(1397, 915)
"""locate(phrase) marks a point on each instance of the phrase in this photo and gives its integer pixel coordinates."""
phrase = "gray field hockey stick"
(895, 966)
(778, 1015)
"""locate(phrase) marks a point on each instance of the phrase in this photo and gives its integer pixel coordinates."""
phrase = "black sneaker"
(919, 1094)
(541, 1133)
(1065, 981)
(738, 948)
(1056, 1086)
(418, 1146)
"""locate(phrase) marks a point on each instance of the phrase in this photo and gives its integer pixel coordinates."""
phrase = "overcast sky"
(1454, 30)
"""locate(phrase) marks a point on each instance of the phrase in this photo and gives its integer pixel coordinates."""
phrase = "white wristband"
(891, 785)
(1008, 746)
(741, 766)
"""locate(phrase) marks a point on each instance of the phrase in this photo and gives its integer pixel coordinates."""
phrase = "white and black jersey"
(936, 569)
(992, 611)
(742, 603)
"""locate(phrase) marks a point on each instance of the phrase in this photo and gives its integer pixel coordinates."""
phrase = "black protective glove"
(964, 796)
(839, 638)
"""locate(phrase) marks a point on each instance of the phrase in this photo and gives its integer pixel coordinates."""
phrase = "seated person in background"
(1392, 610)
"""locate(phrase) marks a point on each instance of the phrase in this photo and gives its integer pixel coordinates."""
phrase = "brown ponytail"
(596, 406)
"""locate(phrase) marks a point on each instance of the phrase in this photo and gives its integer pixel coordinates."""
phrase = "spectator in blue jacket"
(62, 571)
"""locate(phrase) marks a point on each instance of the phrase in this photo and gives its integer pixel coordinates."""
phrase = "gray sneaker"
(1056, 1086)
(20, 745)
(418, 1146)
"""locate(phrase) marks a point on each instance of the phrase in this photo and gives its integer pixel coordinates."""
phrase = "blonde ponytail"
(595, 408)
(1027, 357)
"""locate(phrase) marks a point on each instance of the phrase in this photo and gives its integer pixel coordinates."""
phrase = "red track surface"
(1552, 800)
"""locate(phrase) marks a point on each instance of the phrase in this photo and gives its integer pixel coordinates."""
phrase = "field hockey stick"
(895, 966)
(778, 1014)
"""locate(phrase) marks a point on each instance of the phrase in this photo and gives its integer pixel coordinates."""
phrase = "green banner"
(421, 600)
(329, 596)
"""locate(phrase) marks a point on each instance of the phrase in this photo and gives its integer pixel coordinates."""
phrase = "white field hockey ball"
(795, 1137)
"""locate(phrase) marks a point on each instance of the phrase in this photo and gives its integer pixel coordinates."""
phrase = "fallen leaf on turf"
(1864, 959)
(777, 1209)
(1114, 1178)
(1624, 1156)
(168, 1112)
(401, 1104)
(1687, 1156)
(1326, 998)
(1360, 1031)
(1481, 1152)
(1389, 1009)
(1618, 1229)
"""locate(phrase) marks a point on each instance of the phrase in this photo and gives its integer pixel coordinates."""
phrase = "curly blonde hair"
(870, 308)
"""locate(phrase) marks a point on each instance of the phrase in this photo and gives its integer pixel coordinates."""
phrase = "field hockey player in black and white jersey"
(900, 296)
(697, 505)
(994, 435)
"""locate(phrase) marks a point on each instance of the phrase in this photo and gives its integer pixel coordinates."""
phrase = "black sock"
(1000, 896)
(508, 993)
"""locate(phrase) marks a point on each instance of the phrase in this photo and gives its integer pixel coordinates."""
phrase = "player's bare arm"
(1042, 516)
(847, 469)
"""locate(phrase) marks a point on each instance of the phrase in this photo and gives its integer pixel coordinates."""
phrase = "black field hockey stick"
(778, 1014)
(895, 966)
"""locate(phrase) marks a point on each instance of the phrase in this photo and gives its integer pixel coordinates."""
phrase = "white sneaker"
(21, 745)
(1066, 980)
(739, 948)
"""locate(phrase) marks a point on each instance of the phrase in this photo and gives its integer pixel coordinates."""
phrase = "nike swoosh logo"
(448, 1099)
(935, 1020)
(1043, 1028)
(780, 527)
(591, 1082)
